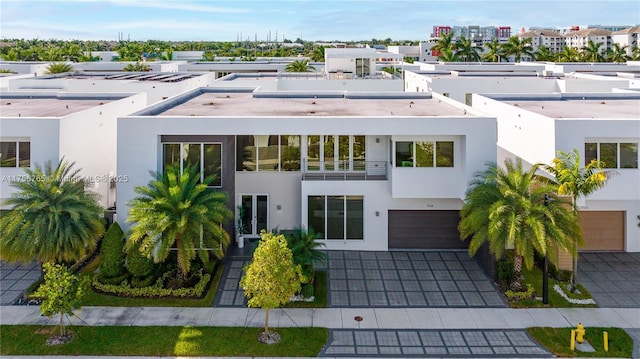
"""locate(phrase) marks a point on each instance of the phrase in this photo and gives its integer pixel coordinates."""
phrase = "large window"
(337, 217)
(206, 157)
(15, 154)
(612, 154)
(424, 154)
(268, 153)
(336, 153)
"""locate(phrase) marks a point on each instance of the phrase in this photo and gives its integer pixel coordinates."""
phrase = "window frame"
(346, 223)
(435, 153)
(201, 159)
(18, 143)
(618, 151)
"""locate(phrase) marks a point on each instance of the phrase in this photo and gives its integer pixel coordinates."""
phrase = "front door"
(255, 214)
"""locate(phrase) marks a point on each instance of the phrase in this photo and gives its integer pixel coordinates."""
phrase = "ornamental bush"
(111, 255)
(137, 263)
(154, 291)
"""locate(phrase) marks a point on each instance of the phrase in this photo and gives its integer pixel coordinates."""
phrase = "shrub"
(138, 264)
(114, 280)
(154, 291)
(504, 270)
(141, 282)
(111, 256)
(307, 290)
(520, 296)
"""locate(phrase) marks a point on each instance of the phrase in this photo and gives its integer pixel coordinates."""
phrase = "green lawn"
(93, 298)
(320, 292)
(164, 341)
(557, 341)
(534, 277)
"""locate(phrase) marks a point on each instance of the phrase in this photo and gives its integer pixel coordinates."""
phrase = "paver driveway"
(15, 278)
(612, 278)
(389, 279)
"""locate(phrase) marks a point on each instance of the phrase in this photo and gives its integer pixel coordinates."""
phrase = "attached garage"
(424, 230)
(602, 230)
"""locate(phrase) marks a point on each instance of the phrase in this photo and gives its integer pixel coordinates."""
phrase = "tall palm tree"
(466, 50)
(505, 207)
(299, 66)
(58, 68)
(176, 210)
(443, 43)
(543, 53)
(518, 48)
(494, 52)
(577, 181)
(568, 54)
(53, 219)
(617, 53)
(591, 52)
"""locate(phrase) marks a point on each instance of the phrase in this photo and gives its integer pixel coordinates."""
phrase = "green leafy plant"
(58, 68)
(271, 278)
(125, 289)
(305, 249)
(61, 293)
(111, 255)
(137, 67)
(138, 264)
(520, 296)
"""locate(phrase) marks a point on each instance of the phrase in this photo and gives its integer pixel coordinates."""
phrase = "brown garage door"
(425, 230)
(603, 230)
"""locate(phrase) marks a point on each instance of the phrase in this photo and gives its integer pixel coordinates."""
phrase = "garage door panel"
(424, 229)
(602, 230)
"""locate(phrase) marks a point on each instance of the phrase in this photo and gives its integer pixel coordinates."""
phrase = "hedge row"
(126, 290)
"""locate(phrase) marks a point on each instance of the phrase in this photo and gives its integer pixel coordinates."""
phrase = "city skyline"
(309, 20)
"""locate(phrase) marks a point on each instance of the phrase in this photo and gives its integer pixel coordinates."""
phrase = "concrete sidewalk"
(340, 318)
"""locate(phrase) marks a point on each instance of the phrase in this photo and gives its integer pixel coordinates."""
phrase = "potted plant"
(240, 228)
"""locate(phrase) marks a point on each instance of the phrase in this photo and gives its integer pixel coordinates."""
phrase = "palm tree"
(318, 54)
(306, 250)
(518, 48)
(299, 66)
(177, 211)
(568, 54)
(505, 207)
(617, 53)
(591, 52)
(494, 52)
(137, 67)
(447, 55)
(58, 68)
(543, 53)
(577, 181)
(466, 50)
(53, 219)
(635, 53)
(443, 43)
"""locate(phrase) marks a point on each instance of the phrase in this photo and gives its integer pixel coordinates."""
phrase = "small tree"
(61, 293)
(111, 256)
(271, 278)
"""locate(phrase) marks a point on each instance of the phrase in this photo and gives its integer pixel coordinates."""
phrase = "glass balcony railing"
(344, 170)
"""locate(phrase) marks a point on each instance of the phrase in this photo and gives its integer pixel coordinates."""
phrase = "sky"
(311, 20)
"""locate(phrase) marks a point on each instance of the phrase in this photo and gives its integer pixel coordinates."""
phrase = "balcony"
(344, 170)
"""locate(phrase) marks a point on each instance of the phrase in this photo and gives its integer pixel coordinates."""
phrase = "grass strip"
(557, 341)
(163, 341)
(534, 277)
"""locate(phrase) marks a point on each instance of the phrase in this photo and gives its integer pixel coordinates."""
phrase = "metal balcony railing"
(344, 170)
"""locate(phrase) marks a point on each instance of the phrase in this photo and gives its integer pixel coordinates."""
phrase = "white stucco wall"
(340, 85)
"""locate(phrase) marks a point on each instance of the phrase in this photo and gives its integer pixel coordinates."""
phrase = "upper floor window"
(336, 153)
(15, 154)
(424, 154)
(207, 157)
(612, 154)
(268, 153)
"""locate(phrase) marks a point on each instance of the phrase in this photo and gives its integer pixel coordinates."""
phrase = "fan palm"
(58, 68)
(505, 207)
(576, 181)
(306, 250)
(518, 48)
(178, 211)
(54, 219)
(299, 66)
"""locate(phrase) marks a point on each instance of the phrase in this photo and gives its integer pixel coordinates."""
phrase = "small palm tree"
(518, 48)
(53, 219)
(299, 66)
(443, 43)
(58, 68)
(505, 207)
(577, 181)
(318, 54)
(137, 67)
(305, 248)
(177, 211)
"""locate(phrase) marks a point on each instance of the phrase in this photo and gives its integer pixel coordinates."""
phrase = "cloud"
(181, 6)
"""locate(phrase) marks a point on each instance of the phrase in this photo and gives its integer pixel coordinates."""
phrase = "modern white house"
(367, 170)
(37, 127)
(601, 126)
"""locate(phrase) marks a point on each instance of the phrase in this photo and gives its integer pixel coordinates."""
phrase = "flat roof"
(245, 104)
(47, 106)
(597, 108)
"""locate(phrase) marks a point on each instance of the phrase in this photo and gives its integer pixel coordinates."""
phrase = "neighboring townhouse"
(627, 38)
(37, 127)
(117, 66)
(550, 39)
(157, 85)
(367, 170)
(602, 126)
(580, 39)
(347, 64)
